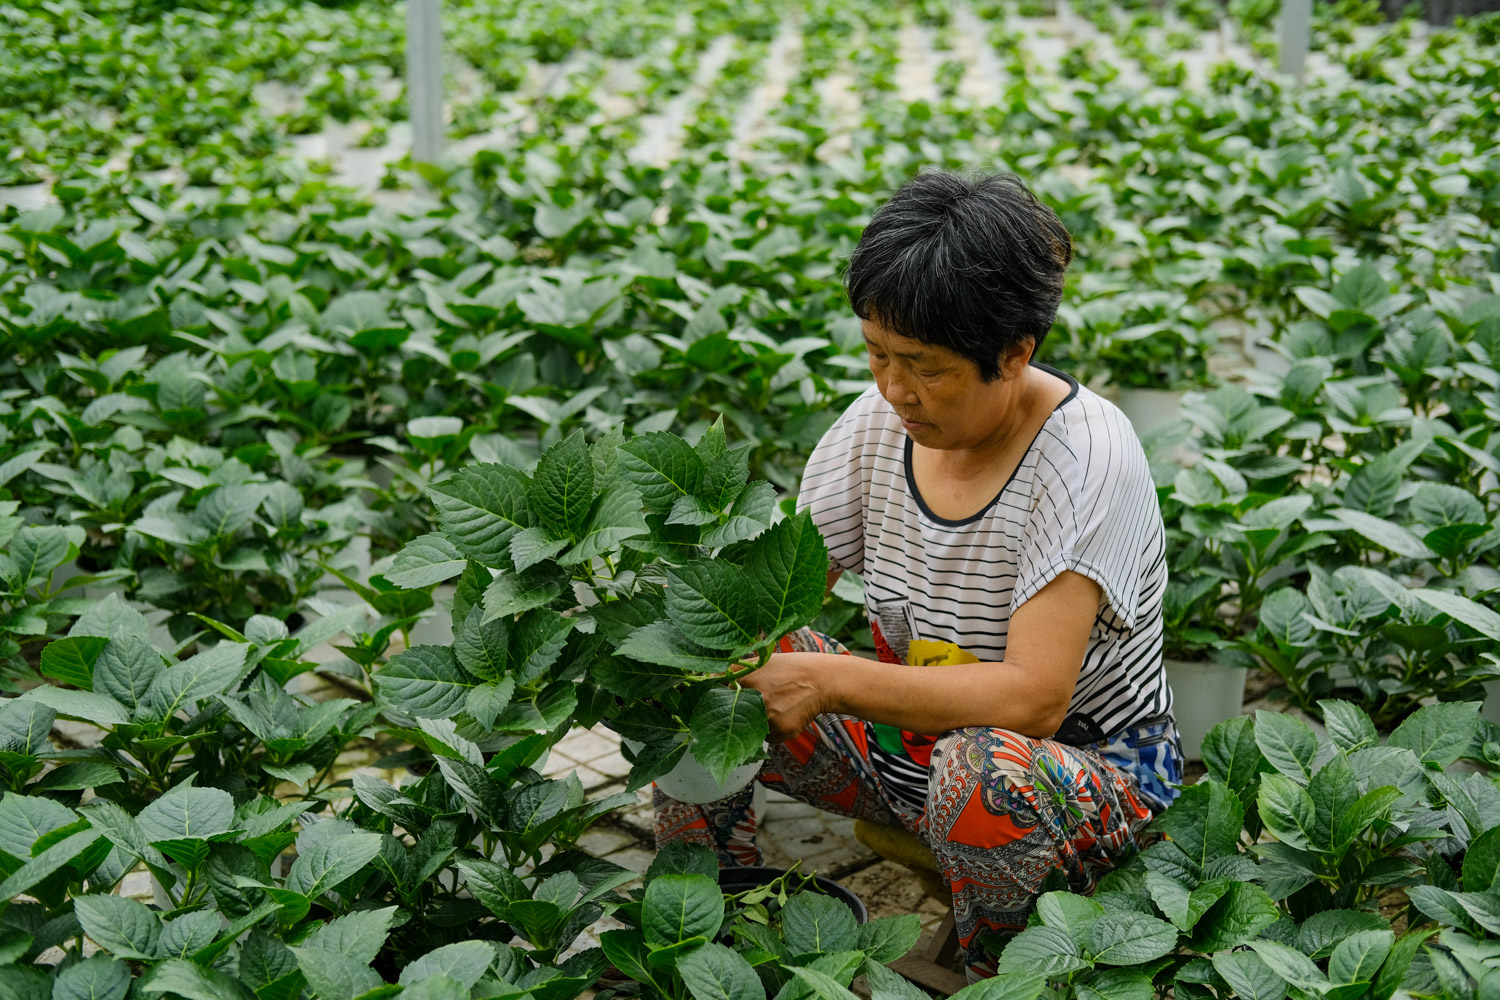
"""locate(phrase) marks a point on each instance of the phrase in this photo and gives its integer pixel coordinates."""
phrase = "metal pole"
(424, 77)
(1295, 38)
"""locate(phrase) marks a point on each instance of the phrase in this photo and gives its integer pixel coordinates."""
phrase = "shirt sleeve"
(1096, 514)
(835, 490)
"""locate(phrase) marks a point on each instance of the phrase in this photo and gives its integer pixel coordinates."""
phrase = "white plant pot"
(1491, 710)
(1149, 409)
(1203, 695)
(692, 783)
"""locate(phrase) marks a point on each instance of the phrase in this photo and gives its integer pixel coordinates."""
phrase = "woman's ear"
(1015, 358)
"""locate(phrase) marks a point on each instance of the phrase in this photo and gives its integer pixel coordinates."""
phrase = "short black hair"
(971, 262)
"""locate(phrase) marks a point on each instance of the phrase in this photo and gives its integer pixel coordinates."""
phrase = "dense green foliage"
(247, 412)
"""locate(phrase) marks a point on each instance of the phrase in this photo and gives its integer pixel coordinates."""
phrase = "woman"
(1005, 523)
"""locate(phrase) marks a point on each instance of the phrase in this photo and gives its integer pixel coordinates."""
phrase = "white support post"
(1295, 30)
(424, 77)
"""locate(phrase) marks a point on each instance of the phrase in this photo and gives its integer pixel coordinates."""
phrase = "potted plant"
(648, 567)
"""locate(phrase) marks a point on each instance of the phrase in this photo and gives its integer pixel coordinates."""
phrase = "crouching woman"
(1018, 720)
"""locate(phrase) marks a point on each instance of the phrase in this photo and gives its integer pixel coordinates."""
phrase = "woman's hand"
(789, 685)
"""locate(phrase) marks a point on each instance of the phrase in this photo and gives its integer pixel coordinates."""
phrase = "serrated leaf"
(424, 561)
(789, 569)
(1438, 734)
(562, 487)
(728, 726)
(329, 863)
(680, 907)
(182, 685)
(710, 604)
(1348, 725)
(480, 508)
(1287, 743)
(616, 516)
(71, 659)
(187, 813)
(424, 682)
(814, 923)
(714, 972)
(534, 545)
(663, 467)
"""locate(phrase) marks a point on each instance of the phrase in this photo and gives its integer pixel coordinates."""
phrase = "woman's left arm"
(1029, 692)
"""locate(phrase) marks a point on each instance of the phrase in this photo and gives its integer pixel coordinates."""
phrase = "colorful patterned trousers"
(1003, 812)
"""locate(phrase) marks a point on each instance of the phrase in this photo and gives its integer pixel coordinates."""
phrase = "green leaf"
(1230, 753)
(25, 819)
(1203, 824)
(662, 644)
(425, 682)
(336, 977)
(627, 952)
(191, 982)
(97, 977)
(1288, 744)
(425, 560)
(483, 648)
(1180, 904)
(1393, 972)
(515, 593)
(886, 939)
(822, 985)
(616, 517)
(1350, 823)
(359, 935)
(127, 669)
(1236, 918)
(1287, 811)
(1249, 976)
(888, 985)
(480, 508)
(1322, 931)
(789, 569)
(25, 726)
(1291, 965)
(679, 907)
(728, 727)
(1044, 951)
(714, 972)
(1068, 911)
(562, 487)
(1481, 861)
(35, 551)
(331, 862)
(1357, 958)
(187, 813)
(1471, 613)
(1383, 533)
(1129, 938)
(184, 684)
(533, 546)
(814, 923)
(1348, 725)
(663, 467)
(1115, 984)
(1014, 985)
(1438, 734)
(710, 604)
(99, 709)
(71, 660)
(49, 861)
(464, 963)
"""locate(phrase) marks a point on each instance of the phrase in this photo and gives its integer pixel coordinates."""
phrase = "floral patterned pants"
(1004, 812)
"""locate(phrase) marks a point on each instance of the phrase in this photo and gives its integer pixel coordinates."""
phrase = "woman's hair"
(973, 263)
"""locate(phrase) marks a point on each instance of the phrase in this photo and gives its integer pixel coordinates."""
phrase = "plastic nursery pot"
(743, 879)
(692, 783)
(1203, 695)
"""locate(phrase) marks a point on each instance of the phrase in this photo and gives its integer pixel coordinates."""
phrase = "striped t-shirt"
(1082, 499)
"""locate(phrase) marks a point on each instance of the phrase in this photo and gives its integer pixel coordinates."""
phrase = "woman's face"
(937, 393)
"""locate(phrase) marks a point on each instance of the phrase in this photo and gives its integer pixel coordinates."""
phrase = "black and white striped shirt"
(1082, 499)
